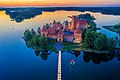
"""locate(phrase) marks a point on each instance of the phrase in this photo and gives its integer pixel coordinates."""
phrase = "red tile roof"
(78, 30)
(82, 22)
(51, 30)
(44, 28)
(60, 31)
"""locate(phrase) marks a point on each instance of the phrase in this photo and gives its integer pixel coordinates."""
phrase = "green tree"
(27, 35)
(98, 44)
(92, 24)
(48, 26)
(36, 40)
(95, 40)
(83, 33)
(33, 32)
(86, 16)
(103, 42)
(111, 43)
(89, 39)
(43, 42)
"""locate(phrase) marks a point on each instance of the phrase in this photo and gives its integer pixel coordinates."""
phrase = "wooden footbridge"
(59, 66)
(59, 47)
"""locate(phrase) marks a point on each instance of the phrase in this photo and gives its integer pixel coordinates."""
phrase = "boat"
(72, 62)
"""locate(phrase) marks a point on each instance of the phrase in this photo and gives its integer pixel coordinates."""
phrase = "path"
(59, 66)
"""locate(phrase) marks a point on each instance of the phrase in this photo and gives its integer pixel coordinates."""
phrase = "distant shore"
(103, 10)
(111, 28)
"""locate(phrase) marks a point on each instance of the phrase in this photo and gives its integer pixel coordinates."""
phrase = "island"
(20, 14)
(78, 34)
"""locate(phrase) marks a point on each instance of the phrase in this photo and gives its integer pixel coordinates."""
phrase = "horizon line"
(60, 6)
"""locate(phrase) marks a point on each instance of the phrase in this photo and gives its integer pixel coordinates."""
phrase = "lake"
(18, 62)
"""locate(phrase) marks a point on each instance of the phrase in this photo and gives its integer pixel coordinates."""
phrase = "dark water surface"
(92, 70)
(17, 62)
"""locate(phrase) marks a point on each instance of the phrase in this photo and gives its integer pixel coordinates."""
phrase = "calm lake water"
(18, 62)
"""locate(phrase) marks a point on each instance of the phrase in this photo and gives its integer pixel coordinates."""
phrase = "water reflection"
(90, 66)
(76, 53)
(96, 58)
(43, 54)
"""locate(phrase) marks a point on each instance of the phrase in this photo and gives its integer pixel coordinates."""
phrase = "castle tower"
(54, 22)
(78, 35)
(77, 23)
(60, 35)
(73, 22)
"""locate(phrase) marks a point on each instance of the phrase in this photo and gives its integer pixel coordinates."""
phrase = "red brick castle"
(71, 32)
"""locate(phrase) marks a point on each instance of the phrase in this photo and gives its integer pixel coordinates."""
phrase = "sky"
(59, 2)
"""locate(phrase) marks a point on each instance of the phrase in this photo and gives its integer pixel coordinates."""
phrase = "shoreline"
(110, 28)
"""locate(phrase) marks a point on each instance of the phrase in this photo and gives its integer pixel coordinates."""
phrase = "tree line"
(35, 40)
(98, 41)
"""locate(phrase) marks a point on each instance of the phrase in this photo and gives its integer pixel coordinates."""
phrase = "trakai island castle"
(66, 32)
